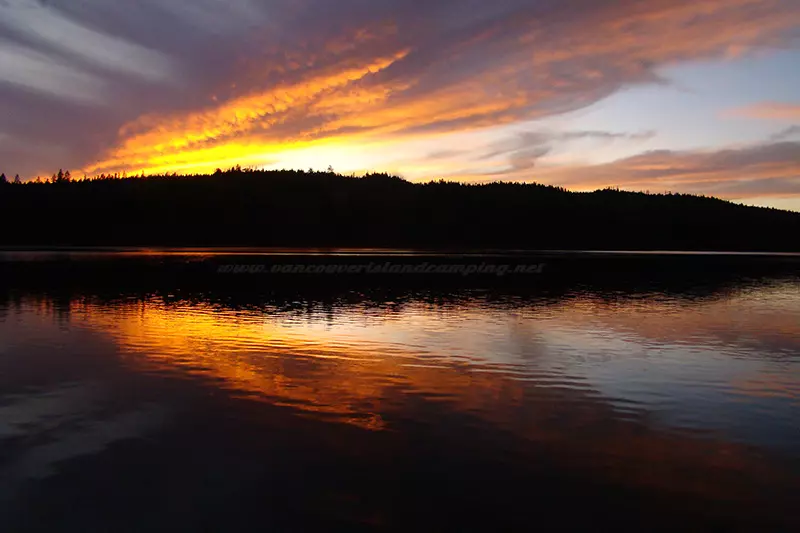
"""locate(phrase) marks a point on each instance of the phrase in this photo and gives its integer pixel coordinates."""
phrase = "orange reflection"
(309, 369)
(364, 376)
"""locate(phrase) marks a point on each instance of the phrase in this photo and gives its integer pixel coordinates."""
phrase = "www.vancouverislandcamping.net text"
(467, 269)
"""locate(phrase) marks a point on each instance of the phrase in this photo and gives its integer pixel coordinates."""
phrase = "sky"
(691, 96)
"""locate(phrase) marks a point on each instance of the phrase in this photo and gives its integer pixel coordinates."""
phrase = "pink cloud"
(768, 111)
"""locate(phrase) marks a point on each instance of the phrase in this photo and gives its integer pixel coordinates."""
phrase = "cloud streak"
(26, 68)
(768, 111)
(763, 170)
(525, 148)
(41, 23)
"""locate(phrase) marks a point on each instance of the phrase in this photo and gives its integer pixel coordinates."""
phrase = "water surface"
(164, 407)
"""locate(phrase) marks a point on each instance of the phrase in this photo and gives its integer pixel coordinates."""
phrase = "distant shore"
(293, 210)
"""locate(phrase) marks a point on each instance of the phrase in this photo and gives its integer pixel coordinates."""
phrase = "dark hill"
(299, 209)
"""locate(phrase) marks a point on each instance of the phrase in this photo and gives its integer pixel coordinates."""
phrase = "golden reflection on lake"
(697, 397)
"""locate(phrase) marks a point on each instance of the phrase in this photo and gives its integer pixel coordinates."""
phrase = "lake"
(154, 390)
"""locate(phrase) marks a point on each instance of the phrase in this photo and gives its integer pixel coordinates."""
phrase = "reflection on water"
(469, 410)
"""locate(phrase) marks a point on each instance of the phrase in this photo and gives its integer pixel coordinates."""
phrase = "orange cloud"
(768, 111)
(153, 142)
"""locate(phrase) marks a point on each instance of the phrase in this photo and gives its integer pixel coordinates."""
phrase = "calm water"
(206, 408)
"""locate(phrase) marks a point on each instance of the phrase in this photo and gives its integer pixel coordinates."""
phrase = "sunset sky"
(699, 96)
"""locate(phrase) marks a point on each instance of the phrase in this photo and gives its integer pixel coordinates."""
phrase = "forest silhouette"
(246, 207)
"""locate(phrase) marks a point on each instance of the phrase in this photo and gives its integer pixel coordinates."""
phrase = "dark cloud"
(116, 82)
(445, 154)
(527, 157)
(788, 133)
(525, 148)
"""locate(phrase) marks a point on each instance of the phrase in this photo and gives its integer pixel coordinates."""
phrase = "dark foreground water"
(664, 400)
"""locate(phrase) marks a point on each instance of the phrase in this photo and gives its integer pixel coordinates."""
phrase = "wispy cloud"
(28, 69)
(44, 23)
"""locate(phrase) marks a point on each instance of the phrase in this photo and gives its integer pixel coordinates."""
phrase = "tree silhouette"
(17, 180)
(62, 176)
(3, 179)
(245, 207)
